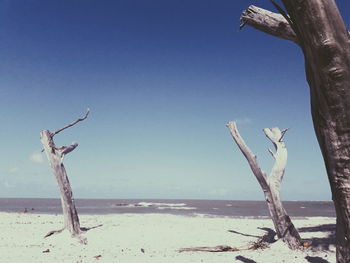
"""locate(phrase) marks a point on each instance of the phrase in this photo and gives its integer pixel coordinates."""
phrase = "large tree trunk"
(321, 33)
(55, 155)
(271, 183)
(326, 46)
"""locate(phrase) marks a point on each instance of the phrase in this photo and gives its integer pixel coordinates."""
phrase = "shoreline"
(125, 238)
(171, 213)
(238, 208)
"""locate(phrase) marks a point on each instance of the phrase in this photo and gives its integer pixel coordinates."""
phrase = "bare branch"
(251, 158)
(71, 124)
(284, 14)
(275, 135)
(283, 133)
(242, 25)
(223, 248)
(269, 22)
(66, 149)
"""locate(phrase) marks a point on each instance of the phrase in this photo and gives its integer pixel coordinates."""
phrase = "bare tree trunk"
(271, 184)
(55, 155)
(325, 41)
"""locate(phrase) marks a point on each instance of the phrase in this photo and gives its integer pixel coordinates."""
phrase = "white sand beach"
(144, 238)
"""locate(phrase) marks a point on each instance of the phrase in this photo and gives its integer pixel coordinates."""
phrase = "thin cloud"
(243, 121)
(219, 192)
(36, 157)
(8, 185)
(14, 170)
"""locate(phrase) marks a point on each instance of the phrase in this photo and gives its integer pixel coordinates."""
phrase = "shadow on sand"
(317, 243)
(85, 229)
(245, 260)
(316, 259)
(269, 237)
(322, 243)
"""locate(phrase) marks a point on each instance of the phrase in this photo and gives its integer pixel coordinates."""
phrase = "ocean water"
(179, 207)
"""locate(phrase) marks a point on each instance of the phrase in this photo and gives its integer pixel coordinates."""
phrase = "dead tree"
(318, 28)
(271, 183)
(55, 156)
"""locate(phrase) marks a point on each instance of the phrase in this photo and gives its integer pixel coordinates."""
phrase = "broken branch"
(269, 22)
(209, 249)
(67, 149)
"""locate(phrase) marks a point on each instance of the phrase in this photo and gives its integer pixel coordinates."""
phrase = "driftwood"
(271, 183)
(222, 248)
(322, 35)
(55, 155)
(261, 243)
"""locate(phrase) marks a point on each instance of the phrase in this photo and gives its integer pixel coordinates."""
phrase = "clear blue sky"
(161, 77)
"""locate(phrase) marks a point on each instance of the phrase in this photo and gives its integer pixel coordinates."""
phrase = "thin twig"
(242, 25)
(73, 123)
(283, 132)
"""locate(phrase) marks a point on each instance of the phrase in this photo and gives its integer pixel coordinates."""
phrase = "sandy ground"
(143, 238)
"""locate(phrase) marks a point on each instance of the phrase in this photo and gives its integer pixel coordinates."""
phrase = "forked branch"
(271, 183)
(275, 135)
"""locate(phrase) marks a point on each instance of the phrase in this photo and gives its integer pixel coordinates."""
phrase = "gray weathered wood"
(55, 157)
(271, 183)
(222, 248)
(268, 22)
(325, 42)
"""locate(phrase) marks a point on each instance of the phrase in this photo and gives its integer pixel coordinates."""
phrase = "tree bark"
(271, 183)
(325, 42)
(55, 157)
(268, 22)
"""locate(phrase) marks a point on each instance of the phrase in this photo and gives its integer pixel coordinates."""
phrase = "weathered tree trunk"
(55, 156)
(271, 184)
(325, 41)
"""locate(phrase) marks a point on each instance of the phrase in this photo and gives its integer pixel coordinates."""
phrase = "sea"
(231, 208)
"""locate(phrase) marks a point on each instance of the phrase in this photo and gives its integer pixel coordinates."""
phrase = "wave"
(150, 204)
(157, 205)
